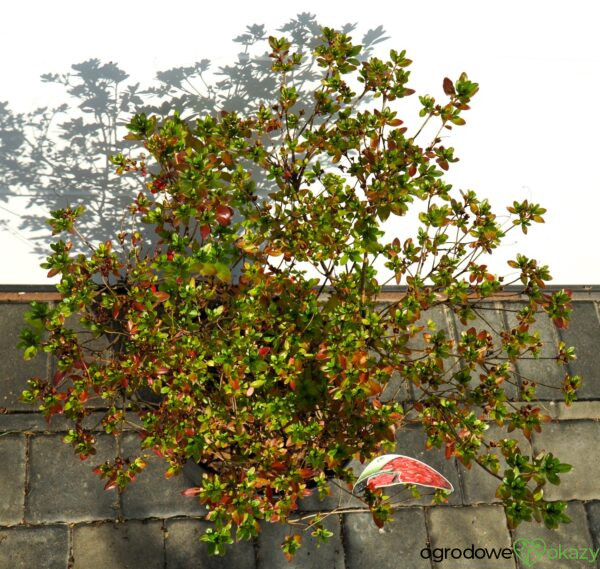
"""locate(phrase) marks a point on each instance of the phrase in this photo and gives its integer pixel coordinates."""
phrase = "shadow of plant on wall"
(58, 156)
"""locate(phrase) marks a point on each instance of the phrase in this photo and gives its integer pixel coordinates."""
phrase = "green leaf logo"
(529, 551)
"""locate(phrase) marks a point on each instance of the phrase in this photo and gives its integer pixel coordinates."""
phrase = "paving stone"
(459, 528)
(398, 544)
(339, 497)
(94, 346)
(31, 422)
(329, 555)
(579, 410)
(152, 494)
(184, 548)
(584, 334)
(544, 371)
(439, 316)
(28, 548)
(64, 488)
(576, 443)
(37, 423)
(14, 370)
(86, 337)
(193, 473)
(489, 317)
(593, 513)
(544, 554)
(550, 408)
(129, 545)
(12, 476)
(396, 389)
(479, 485)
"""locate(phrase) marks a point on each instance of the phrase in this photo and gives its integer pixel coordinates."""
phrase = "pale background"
(532, 132)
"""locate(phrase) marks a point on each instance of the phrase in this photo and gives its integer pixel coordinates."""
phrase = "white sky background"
(532, 131)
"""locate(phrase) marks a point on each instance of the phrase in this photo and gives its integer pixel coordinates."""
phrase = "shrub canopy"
(240, 306)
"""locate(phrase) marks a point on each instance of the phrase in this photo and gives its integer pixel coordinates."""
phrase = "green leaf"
(223, 272)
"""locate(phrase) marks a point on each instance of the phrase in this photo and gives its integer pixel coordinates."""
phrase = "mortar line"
(462, 483)
(428, 533)
(557, 335)
(343, 537)
(163, 527)
(26, 481)
(94, 522)
(504, 313)
(118, 449)
(49, 360)
(588, 524)
(70, 554)
(597, 307)
(512, 535)
(255, 551)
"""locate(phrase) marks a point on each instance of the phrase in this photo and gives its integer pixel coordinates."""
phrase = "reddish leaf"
(262, 352)
(190, 492)
(378, 521)
(223, 214)
(449, 87)
(322, 354)
(375, 388)
(58, 376)
(205, 231)
(560, 322)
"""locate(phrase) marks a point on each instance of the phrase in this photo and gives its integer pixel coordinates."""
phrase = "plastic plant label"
(392, 469)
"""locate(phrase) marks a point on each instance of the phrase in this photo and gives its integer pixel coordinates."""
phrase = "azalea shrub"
(241, 309)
